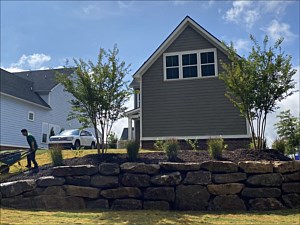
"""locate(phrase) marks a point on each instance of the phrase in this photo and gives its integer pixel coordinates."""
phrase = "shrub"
(112, 140)
(133, 148)
(215, 147)
(279, 145)
(171, 148)
(56, 155)
(159, 145)
(193, 144)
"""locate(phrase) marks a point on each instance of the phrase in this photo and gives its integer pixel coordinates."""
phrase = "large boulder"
(272, 179)
(122, 192)
(104, 181)
(58, 202)
(227, 203)
(38, 191)
(50, 181)
(130, 167)
(219, 166)
(225, 189)
(292, 200)
(79, 191)
(126, 204)
(14, 188)
(63, 171)
(109, 169)
(18, 202)
(83, 180)
(291, 177)
(256, 167)
(265, 204)
(228, 177)
(261, 192)
(160, 193)
(156, 205)
(54, 190)
(97, 204)
(291, 187)
(135, 180)
(286, 167)
(191, 197)
(198, 177)
(173, 166)
(169, 179)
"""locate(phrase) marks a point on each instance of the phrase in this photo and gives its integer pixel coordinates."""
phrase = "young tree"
(99, 91)
(257, 83)
(288, 129)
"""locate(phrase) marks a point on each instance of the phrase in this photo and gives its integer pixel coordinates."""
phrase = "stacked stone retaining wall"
(213, 185)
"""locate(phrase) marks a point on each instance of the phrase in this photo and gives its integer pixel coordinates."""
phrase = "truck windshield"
(69, 132)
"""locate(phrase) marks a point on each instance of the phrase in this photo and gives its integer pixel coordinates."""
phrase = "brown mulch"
(155, 157)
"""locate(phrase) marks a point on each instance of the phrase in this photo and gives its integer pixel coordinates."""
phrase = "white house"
(33, 100)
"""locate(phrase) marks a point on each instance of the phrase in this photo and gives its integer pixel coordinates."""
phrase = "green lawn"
(25, 217)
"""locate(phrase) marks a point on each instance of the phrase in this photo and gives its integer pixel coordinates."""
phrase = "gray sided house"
(178, 93)
(35, 101)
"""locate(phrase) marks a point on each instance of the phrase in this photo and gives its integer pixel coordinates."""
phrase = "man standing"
(33, 147)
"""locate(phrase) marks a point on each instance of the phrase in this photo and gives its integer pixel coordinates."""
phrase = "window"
(31, 116)
(207, 64)
(172, 67)
(192, 64)
(189, 65)
(138, 100)
(45, 127)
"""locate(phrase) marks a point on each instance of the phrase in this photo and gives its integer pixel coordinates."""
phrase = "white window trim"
(198, 52)
(138, 100)
(28, 118)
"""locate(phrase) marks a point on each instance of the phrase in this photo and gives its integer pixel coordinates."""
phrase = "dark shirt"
(31, 139)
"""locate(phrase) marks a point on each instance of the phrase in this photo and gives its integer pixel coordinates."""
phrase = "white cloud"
(242, 45)
(242, 12)
(178, 3)
(33, 61)
(247, 13)
(275, 30)
(275, 7)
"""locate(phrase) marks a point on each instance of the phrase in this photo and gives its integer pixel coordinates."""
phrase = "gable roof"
(44, 80)
(20, 88)
(187, 21)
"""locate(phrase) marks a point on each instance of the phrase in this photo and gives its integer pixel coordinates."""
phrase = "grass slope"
(10, 216)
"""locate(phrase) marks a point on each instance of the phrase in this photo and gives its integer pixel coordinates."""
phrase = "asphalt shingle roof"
(44, 80)
(19, 88)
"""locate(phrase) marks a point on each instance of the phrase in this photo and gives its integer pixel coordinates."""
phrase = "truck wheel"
(77, 144)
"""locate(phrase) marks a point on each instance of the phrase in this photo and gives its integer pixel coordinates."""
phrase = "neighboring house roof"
(19, 88)
(44, 80)
(187, 21)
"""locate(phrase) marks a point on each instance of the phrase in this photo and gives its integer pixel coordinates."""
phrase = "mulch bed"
(155, 157)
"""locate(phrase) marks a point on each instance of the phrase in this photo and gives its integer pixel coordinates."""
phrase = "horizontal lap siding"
(187, 107)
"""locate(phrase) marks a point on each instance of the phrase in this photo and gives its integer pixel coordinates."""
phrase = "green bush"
(112, 140)
(56, 155)
(279, 145)
(171, 148)
(215, 147)
(159, 145)
(133, 148)
(193, 144)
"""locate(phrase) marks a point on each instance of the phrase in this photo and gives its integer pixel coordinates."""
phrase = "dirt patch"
(155, 157)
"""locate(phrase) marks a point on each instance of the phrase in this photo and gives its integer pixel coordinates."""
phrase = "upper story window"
(192, 64)
(172, 67)
(31, 116)
(138, 100)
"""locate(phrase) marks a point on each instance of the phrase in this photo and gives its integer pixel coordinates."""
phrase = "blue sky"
(43, 34)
